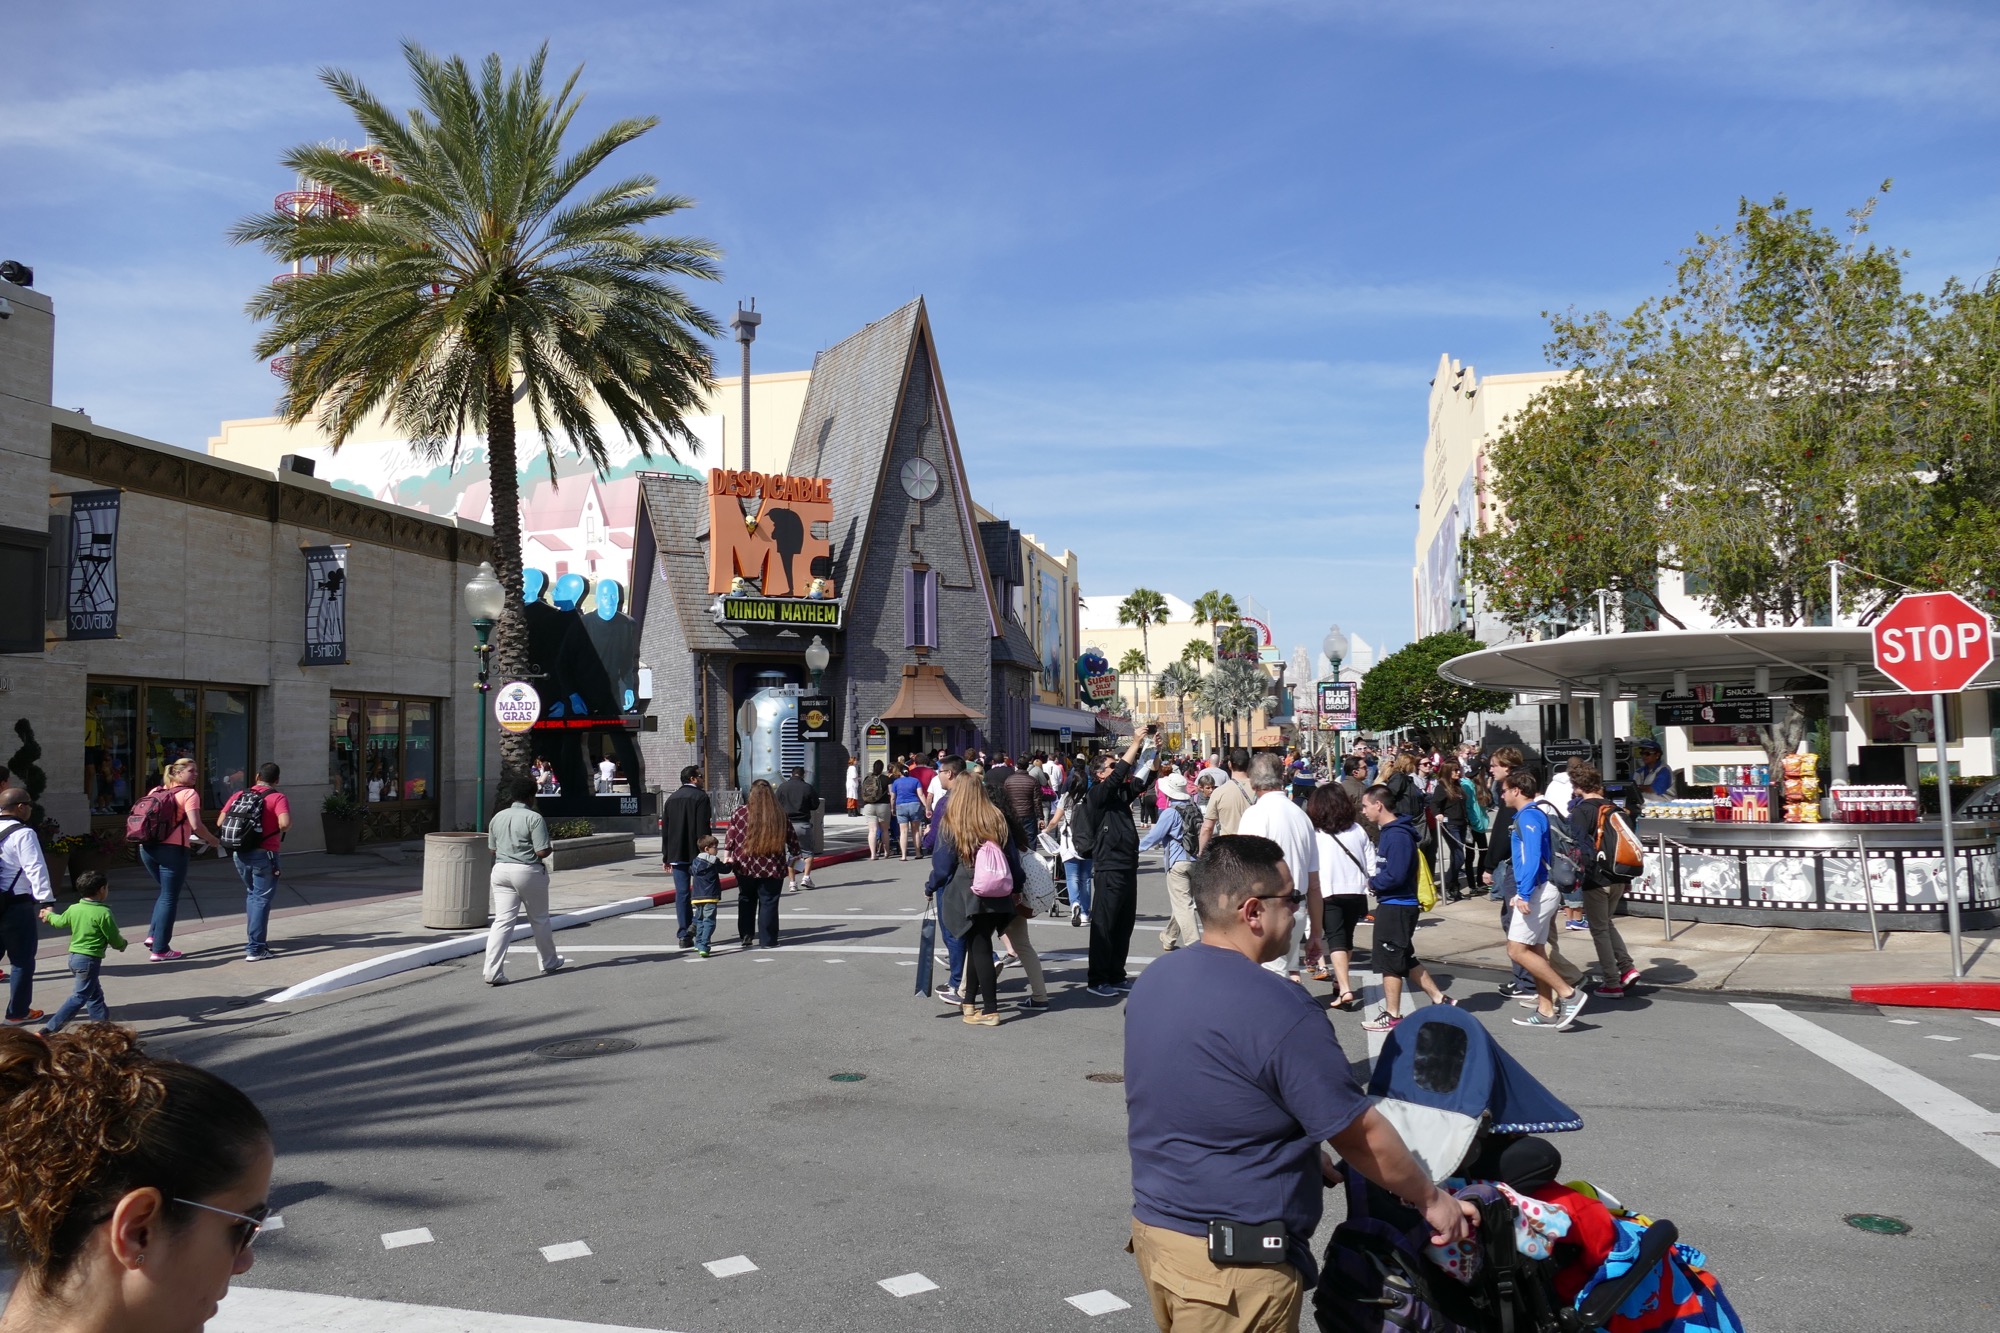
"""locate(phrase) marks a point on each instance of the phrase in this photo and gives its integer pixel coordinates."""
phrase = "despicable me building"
(851, 606)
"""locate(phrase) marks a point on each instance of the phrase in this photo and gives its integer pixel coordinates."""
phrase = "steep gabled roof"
(848, 425)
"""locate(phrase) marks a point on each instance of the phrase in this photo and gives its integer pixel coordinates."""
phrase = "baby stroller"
(1545, 1258)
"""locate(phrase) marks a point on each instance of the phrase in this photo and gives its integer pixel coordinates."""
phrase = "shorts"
(1340, 913)
(911, 813)
(1395, 949)
(879, 812)
(1574, 898)
(1533, 927)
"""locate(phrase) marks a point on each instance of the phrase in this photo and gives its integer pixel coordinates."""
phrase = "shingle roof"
(678, 508)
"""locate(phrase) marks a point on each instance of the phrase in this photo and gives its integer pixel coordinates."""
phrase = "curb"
(464, 945)
(1930, 994)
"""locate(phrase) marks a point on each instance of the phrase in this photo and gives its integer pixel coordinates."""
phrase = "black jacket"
(798, 799)
(1116, 847)
(688, 816)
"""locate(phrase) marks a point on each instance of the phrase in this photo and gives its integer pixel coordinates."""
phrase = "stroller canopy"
(1443, 1058)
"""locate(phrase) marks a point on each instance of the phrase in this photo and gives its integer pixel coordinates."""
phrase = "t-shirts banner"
(326, 606)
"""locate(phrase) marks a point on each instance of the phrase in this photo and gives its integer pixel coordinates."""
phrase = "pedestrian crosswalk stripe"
(730, 1267)
(909, 1284)
(1981, 1055)
(396, 1240)
(1906, 1022)
(1965, 1121)
(1938, 1036)
(262, 1310)
(569, 1249)
(1098, 1302)
(275, 1222)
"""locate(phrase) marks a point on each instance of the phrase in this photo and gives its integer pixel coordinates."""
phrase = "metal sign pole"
(1950, 854)
(1666, 884)
(1867, 887)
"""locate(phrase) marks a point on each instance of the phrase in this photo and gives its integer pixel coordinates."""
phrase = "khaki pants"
(1192, 1295)
(1185, 928)
(1600, 909)
(1031, 962)
(518, 891)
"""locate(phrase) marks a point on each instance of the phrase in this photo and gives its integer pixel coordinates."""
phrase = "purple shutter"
(911, 612)
(930, 608)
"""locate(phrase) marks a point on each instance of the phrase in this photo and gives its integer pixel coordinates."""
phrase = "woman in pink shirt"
(167, 860)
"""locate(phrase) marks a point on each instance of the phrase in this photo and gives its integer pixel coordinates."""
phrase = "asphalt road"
(987, 1160)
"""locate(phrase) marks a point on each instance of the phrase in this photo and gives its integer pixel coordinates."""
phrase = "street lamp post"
(817, 658)
(1334, 645)
(485, 599)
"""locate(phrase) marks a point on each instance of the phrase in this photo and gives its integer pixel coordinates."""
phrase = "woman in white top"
(1346, 860)
(1076, 866)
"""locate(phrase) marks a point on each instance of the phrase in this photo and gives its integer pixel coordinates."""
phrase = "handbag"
(1037, 884)
(926, 949)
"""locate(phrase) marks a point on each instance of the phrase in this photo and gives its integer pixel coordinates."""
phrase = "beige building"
(196, 569)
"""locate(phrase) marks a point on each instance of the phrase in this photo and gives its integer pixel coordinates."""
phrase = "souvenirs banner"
(93, 565)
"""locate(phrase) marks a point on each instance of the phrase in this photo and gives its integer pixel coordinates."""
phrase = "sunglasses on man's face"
(1295, 897)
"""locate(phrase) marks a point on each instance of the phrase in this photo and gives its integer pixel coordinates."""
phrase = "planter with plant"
(340, 818)
(90, 851)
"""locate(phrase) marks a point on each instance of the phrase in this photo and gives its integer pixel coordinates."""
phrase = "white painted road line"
(1968, 1123)
(569, 1249)
(1987, 1018)
(260, 1310)
(1906, 1022)
(909, 1284)
(1053, 959)
(730, 1267)
(1981, 1055)
(275, 1222)
(1097, 1302)
(396, 1240)
(1938, 1036)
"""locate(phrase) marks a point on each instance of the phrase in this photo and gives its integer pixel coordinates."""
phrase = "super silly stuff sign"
(769, 530)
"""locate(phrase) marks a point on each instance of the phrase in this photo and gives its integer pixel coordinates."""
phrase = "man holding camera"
(1114, 894)
(1233, 1081)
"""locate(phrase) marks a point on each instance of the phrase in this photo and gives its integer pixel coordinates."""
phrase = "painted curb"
(1930, 994)
(472, 942)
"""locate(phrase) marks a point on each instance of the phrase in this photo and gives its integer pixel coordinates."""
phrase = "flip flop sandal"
(1347, 1000)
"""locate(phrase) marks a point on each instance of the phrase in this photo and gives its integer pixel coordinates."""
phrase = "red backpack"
(153, 818)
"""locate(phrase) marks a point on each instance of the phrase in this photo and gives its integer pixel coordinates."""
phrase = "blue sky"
(1190, 262)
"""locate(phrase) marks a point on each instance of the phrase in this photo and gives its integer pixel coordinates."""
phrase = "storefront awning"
(924, 697)
(1053, 717)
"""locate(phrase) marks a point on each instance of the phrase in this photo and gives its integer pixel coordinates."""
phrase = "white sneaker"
(558, 965)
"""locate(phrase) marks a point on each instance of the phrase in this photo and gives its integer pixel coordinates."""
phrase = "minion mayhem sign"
(767, 536)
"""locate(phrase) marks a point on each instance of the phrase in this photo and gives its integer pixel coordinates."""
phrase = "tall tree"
(1196, 652)
(1133, 662)
(475, 266)
(1176, 682)
(1235, 690)
(1145, 608)
(1404, 689)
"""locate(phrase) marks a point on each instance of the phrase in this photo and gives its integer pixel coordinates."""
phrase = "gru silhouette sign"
(767, 534)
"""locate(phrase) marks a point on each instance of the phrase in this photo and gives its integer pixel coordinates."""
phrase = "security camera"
(6, 308)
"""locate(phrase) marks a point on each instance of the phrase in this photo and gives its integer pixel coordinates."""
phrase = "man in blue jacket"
(1394, 884)
(1557, 1003)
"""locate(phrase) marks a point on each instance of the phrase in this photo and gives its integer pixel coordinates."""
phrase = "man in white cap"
(1178, 829)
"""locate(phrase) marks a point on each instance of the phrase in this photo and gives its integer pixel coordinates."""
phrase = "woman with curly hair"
(761, 844)
(131, 1188)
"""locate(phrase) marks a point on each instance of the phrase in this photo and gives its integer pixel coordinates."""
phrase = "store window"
(383, 751)
(133, 729)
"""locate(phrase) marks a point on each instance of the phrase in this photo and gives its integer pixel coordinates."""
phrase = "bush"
(571, 828)
(340, 804)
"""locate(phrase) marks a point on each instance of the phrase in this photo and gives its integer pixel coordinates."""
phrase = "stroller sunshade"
(1442, 1057)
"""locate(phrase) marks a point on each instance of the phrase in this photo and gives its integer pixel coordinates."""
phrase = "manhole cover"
(1105, 1078)
(1878, 1224)
(847, 1078)
(582, 1048)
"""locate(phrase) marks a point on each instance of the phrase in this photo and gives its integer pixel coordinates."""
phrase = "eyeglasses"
(248, 1225)
(1295, 897)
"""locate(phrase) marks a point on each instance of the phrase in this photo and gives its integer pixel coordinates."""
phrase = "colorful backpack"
(990, 876)
(152, 818)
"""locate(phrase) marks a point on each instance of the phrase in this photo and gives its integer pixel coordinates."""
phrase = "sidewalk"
(330, 912)
(1704, 957)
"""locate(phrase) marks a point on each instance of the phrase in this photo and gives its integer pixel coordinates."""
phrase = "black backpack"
(1082, 825)
(1191, 817)
(242, 825)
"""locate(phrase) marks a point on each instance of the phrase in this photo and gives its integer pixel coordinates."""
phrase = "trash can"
(458, 868)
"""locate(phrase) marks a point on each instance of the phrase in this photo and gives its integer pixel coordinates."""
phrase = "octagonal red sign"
(1933, 643)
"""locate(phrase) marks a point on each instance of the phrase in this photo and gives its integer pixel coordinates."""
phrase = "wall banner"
(326, 605)
(93, 565)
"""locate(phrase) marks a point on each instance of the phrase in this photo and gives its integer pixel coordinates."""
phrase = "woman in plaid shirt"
(760, 843)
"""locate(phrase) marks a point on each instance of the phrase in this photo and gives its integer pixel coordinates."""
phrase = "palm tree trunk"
(510, 635)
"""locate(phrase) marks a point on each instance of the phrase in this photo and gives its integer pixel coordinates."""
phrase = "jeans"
(954, 950)
(1078, 874)
(168, 865)
(758, 898)
(683, 909)
(258, 869)
(518, 890)
(19, 934)
(704, 924)
(88, 995)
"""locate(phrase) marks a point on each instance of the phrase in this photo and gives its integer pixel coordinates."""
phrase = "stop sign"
(1933, 643)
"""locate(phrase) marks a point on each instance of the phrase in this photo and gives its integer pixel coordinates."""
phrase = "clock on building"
(920, 479)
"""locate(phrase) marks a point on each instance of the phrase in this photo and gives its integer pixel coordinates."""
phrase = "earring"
(139, 1258)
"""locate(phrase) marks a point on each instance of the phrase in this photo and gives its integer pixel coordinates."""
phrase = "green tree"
(1404, 689)
(1216, 607)
(1235, 690)
(1145, 608)
(1196, 652)
(1133, 662)
(1238, 641)
(1176, 682)
(475, 267)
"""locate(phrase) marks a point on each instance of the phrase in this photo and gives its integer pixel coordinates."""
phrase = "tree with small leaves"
(1404, 689)
(1145, 608)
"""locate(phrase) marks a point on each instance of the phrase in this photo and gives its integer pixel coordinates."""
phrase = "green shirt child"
(91, 927)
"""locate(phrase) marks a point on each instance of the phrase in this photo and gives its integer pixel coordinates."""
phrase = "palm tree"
(1177, 681)
(1239, 641)
(470, 268)
(1197, 652)
(1131, 666)
(1215, 609)
(1143, 607)
(1236, 689)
